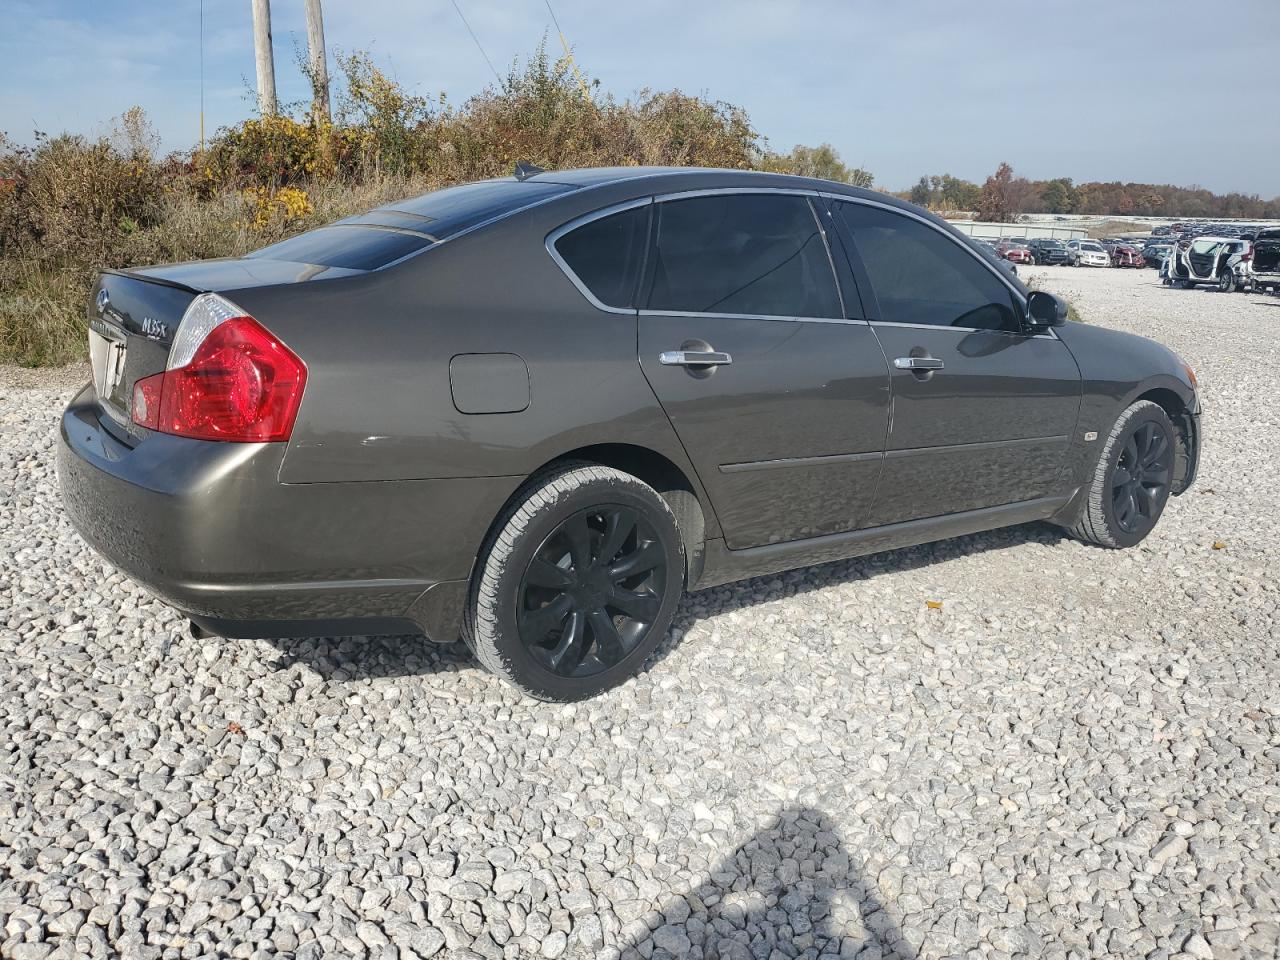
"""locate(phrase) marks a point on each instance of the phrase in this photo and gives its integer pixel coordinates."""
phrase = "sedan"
(1087, 253)
(534, 411)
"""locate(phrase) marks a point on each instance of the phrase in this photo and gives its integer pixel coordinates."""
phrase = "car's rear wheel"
(577, 584)
(1131, 482)
(1226, 281)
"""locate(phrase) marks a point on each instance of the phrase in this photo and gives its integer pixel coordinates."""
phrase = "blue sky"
(1090, 89)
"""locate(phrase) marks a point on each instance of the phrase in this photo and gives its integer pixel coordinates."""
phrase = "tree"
(821, 161)
(1059, 195)
(1004, 196)
(945, 192)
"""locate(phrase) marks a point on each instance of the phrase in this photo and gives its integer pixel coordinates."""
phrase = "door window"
(752, 254)
(921, 276)
(605, 255)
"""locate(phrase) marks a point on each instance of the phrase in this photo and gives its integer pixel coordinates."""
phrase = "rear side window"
(753, 254)
(606, 255)
(921, 276)
(356, 248)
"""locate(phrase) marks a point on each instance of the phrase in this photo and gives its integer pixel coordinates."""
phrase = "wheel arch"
(1184, 424)
(683, 495)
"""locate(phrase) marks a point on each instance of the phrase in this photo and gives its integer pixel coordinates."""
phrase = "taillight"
(229, 378)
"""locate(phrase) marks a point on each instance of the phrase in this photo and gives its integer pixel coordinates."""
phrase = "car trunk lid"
(132, 320)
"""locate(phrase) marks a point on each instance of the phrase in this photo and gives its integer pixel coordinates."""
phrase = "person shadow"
(792, 889)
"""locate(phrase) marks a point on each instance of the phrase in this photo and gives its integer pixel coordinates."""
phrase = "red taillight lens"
(241, 384)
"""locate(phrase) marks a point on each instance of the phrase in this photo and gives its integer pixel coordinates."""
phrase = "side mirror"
(1044, 310)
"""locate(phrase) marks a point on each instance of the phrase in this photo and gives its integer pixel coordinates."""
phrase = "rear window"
(352, 247)
(457, 208)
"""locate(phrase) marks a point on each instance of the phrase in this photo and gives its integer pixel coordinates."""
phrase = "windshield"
(1092, 247)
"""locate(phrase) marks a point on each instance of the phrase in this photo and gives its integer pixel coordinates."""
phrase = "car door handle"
(918, 363)
(694, 358)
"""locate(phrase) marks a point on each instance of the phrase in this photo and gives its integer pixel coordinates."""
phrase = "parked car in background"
(988, 248)
(358, 431)
(1265, 267)
(1223, 262)
(1015, 250)
(1046, 250)
(1125, 255)
(1155, 250)
(1087, 253)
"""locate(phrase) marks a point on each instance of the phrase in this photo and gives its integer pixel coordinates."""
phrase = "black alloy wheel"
(1140, 482)
(592, 590)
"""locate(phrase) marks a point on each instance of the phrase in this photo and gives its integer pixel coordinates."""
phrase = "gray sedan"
(534, 411)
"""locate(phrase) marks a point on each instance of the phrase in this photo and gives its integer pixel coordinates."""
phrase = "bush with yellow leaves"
(277, 208)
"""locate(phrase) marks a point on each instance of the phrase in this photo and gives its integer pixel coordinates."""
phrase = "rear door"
(982, 413)
(778, 389)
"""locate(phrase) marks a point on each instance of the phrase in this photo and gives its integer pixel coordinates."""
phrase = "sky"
(1088, 89)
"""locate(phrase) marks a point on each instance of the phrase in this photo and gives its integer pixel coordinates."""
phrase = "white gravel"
(1075, 755)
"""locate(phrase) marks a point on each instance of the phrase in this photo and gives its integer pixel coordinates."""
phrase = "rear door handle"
(694, 358)
(918, 363)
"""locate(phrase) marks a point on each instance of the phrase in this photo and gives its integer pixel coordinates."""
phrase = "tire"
(542, 611)
(1115, 512)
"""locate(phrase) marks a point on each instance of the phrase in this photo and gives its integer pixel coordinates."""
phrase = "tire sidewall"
(533, 675)
(1147, 414)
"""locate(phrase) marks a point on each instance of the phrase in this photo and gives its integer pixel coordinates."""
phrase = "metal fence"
(994, 231)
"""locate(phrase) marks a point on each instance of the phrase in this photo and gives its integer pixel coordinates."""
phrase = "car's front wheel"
(577, 584)
(1131, 481)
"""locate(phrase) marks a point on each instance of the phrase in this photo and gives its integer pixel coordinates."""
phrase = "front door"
(780, 399)
(982, 412)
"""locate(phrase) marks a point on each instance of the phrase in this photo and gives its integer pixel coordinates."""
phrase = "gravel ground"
(1074, 755)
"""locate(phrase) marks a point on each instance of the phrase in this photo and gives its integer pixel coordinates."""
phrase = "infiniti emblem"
(104, 298)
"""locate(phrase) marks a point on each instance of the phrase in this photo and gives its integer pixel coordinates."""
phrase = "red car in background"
(1123, 255)
(1015, 249)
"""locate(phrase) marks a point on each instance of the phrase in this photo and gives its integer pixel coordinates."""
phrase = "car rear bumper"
(209, 528)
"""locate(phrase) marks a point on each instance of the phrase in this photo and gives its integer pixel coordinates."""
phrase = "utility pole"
(263, 57)
(318, 63)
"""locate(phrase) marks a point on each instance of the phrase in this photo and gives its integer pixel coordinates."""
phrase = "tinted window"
(606, 254)
(921, 276)
(757, 254)
(357, 248)
(449, 211)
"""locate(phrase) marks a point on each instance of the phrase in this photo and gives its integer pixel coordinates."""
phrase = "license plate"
(106, 356)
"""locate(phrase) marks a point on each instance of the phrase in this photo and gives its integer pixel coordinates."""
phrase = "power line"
(477, 41)
(582, 84)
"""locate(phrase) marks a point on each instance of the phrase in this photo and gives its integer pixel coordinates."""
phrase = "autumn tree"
(1005, 196)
